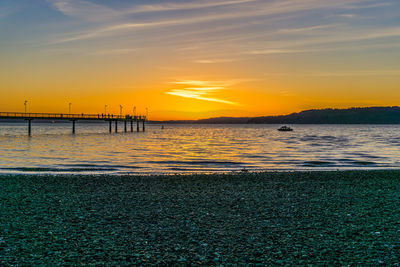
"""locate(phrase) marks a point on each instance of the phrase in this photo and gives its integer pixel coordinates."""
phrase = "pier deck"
(75, 117)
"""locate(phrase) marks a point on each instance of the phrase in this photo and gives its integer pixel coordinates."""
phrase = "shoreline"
(297, 218)
(189, 173)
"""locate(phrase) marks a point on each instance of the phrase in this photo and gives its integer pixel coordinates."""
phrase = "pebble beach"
(266, 218)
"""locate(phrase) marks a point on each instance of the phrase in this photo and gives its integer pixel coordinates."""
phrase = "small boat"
(285, 129)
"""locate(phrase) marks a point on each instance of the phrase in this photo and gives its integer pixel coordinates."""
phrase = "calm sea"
(196, 148)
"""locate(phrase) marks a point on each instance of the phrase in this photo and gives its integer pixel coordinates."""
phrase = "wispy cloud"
(84, 10)
(203, 90)
(243, 43)
(329, 42)
(186, 5)
(346, 15)
(225, 83)
(273, 51)
(110, 29)
(367, 5)
(136, 26)
(189, 48)
(369, 34)
(255, 8)
(77, 8)
(307, 29)
(355, 73)
(215, 61)
(95, 12)
(199, 95)
(349, 73)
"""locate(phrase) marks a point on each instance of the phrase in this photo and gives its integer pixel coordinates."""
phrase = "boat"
(285, 129)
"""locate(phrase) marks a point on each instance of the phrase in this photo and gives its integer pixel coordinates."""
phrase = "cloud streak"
(274, 51)
(355, 36)
(84, 10)
(186, 6)
(254, 8)
(307, 29)
(350, 73)
(203, 90)
(215, 61)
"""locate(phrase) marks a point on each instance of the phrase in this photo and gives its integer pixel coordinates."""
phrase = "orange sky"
(198, 59)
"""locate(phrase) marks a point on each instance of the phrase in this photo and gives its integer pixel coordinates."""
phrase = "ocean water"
(195, 148)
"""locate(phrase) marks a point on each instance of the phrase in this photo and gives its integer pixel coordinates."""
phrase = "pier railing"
(75, 117)
(62, 116)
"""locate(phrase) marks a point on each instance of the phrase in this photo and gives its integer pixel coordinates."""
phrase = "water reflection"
(196, 148)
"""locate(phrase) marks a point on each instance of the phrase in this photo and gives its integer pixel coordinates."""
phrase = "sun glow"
(205, 91)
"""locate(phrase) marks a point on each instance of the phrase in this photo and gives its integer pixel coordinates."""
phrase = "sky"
(185, 59)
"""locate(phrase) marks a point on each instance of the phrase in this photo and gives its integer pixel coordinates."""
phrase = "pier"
(110, 118)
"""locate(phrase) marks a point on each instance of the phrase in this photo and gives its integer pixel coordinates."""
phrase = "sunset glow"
(198, 59)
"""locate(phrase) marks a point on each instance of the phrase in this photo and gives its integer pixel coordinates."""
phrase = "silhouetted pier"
(126, 119)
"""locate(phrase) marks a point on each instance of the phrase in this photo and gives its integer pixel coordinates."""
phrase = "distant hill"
(370, 115)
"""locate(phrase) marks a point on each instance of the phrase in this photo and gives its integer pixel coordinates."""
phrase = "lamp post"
(120, 110)
(26, 101)
(69, 108)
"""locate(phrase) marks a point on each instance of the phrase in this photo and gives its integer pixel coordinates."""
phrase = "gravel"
(282, 218)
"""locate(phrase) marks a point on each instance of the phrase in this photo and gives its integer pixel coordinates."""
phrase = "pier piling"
(116, 126)
(29, 127)
(73, 127)
(110, 126)
(137, 125)
(143, 125)
(131, 126)
(125, 126)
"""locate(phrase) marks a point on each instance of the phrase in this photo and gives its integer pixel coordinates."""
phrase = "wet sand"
(296, 218)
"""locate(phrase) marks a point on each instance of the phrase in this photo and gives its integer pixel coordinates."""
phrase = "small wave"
(317, 163)
(341, 163)
(126, 166)
(358, 162)
(200, 162)
(99, 166)
(394, 141)
(255, 156)
(308, 138)
(178, 169)
(39, 169)
(81, 165)
(282, 162)
(365, 155)
(364, 163)
(323, 138)
(202, 170)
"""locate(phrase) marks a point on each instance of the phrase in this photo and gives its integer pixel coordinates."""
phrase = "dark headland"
(370, 115)
(299, 218)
